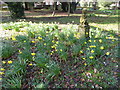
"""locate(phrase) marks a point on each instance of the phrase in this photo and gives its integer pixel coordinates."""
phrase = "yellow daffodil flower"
(20, 52)
(100, 41)
(33, 54)
(90, 40)
(2, 69)
(2, 73)
(85, 42)
(83, 58)
(39, 38)
(53, 41)
(113, 40)
(9, 62)
(45, 44)
(91, 57)
(101, 47)
(47, 32)
(106, 37)
(92, 46)
(85, 64)
(3, 62)
(77, 35)
(61, 50)
(92, 51)
(52, 46)
(57, 42)
(96, 36)
(81, 51)
(13, 38)
(108, 53)
(30, 64)
(33, 41)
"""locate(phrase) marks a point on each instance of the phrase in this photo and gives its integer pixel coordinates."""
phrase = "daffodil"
(94, 40)
(77, 35)
(52, 46)
(96, 36)
(101, 47)
(0, 78)
(2, 73)
(92, 46)
(91, 57)
(112, 37)
(81, 51)
(2, 69)
(33, 41)
(20, 52)
(30, 64)
(83, 58)
(3, 62)
(100, 41)
(113, 40)
(92, 51)
(106, 37)
(85, 64)
(61, 50)
(9, 62)
(47, 32)
(40, 38)
(13, 38)
(108, 53)
(53, 41)
(90, 40)
(33, 54)
(57, 42)
(45, 44)
(24, 41)
(85, 42)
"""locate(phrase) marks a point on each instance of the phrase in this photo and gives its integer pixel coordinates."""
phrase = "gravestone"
(84, 27)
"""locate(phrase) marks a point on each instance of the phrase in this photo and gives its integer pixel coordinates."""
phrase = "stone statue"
(84, 26)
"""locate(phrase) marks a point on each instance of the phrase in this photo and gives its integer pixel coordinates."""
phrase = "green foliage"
(7, 49)
(17, 67)
(62, 56)
(13, 82)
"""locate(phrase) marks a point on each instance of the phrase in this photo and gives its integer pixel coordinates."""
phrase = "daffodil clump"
(44, 52)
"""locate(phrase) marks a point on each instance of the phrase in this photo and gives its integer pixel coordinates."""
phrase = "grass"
(42, 54)
(105, 19)
(49, 57)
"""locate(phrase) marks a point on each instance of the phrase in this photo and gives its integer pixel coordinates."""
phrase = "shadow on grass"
(74, 19)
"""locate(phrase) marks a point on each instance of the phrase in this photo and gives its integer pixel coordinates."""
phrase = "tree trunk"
(16, 9)
(54, 8)
(73, 7)
(69, 5)
(26, 6)
(65, 6)
(95, 5)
